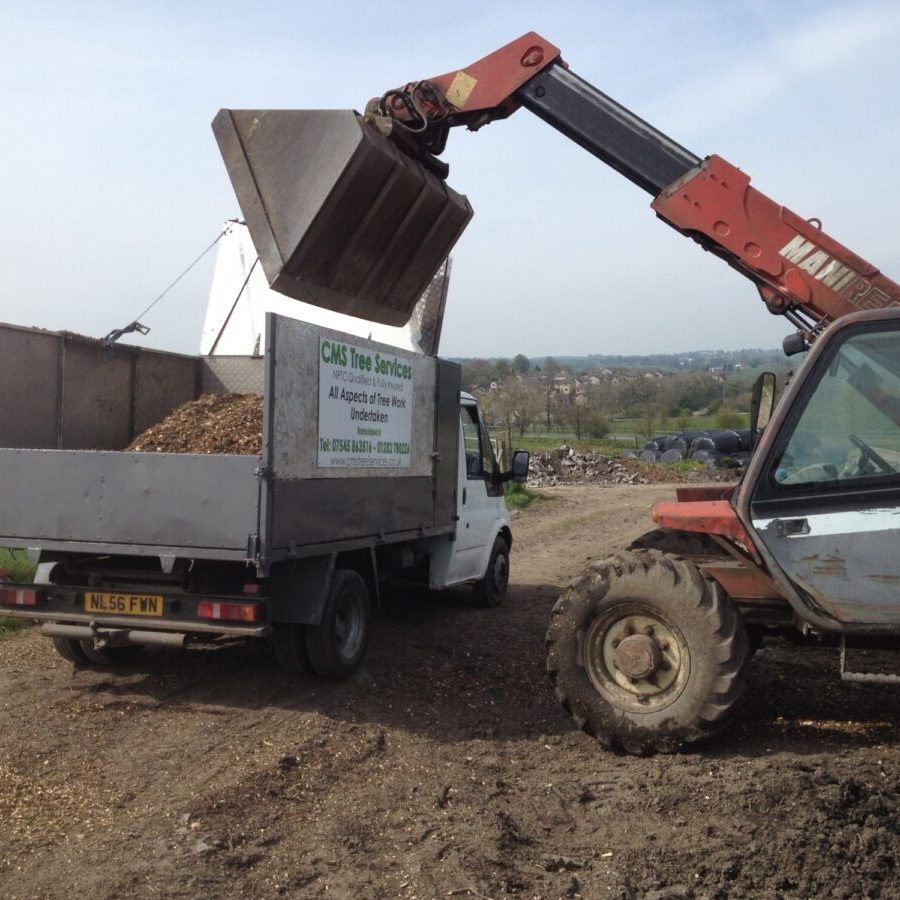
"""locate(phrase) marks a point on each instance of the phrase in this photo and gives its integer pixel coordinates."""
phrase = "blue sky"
(111, 181)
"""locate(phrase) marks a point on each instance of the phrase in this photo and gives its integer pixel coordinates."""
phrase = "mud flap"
(339, 216)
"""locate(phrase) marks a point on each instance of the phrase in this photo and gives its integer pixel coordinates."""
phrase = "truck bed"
(139, 503)
(316, 488)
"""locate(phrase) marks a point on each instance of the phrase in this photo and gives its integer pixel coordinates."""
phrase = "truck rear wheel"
(70, 650)
(646, 654)
(109, 656)
(337, 644)
(491, 590)
(289, 644)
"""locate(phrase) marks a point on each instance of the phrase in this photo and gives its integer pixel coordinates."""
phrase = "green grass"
(15, 562)
(9, 626)
(687, 465)
(520, 497)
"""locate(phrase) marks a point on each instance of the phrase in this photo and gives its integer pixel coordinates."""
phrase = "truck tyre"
(646, 654)
(289, 644)
(491, 589)
(337, 644)
(70, 650)
(108, 656)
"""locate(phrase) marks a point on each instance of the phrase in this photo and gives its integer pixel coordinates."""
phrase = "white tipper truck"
(374, 466)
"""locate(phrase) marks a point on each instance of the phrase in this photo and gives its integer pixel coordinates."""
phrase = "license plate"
(124, 604)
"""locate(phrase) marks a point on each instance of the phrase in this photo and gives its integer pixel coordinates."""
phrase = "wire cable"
(188, 269)
(136, 325)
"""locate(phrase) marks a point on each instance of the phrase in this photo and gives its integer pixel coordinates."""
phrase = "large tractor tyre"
(70, 650)
(289, 644)
(646, 654)
(491, 590)
(337, 644)
(109, 656)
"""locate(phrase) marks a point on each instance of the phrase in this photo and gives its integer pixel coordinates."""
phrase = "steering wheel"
(869, 453)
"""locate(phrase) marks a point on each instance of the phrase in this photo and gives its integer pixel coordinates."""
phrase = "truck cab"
(479, 551)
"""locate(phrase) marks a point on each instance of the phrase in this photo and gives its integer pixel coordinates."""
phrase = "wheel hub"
(636, 660)
(638, 656)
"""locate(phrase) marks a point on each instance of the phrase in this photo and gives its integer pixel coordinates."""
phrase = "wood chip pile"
(214, 423)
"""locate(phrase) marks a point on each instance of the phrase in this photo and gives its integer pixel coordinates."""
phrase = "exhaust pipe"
(115, 637)
(339, 216)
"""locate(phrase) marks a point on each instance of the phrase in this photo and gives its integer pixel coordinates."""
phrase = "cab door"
(480, 498)
(826, 504)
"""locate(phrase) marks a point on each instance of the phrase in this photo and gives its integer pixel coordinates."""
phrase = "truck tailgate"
(141, 503)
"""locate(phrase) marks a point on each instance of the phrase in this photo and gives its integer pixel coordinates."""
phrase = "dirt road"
(443, 769)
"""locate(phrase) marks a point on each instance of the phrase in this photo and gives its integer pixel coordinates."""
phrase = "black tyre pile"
(716, 448)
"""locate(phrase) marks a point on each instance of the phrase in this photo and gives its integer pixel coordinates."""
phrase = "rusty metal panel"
(340, 217)
(96, 396)
(700, 492)
(162, 382)
(741, 581)
(29, 394)
(713, 517)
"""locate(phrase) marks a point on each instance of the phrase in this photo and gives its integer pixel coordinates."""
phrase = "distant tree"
(596, 425)
(521, 364)
(501, 369)
(575, 418)
(476, 372)
(516, 405)
(649, 420)
(683, 419)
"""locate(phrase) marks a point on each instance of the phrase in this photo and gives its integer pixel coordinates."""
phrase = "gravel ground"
(444, 768)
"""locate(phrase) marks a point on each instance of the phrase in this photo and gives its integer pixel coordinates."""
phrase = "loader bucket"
(339, 216)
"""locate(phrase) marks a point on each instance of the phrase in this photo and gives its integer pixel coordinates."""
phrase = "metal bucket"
(339, 216)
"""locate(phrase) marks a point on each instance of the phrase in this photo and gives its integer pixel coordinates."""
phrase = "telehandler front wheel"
(646, 654)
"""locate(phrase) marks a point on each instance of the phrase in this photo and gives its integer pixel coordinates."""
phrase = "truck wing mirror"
(520, 462)
(762, 404)
(518, 471)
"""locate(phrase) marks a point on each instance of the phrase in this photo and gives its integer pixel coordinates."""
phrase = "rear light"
(235, 612)
(252, 587)
(16, 596)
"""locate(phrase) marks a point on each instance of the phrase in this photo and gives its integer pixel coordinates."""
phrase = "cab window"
(849, 429)
(479, 452)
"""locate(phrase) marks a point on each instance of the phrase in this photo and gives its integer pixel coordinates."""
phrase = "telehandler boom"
(650, 649)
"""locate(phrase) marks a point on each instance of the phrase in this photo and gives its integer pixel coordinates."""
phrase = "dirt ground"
(444, 768)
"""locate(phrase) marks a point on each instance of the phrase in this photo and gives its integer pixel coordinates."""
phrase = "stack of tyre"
(717, 447)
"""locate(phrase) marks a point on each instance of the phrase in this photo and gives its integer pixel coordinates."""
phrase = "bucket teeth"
(339, 216)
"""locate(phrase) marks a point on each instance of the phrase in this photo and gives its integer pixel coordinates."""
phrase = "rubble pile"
(566, 465)
(214, 423)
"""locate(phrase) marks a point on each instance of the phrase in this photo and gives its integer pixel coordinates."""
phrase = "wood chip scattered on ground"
(214, 423)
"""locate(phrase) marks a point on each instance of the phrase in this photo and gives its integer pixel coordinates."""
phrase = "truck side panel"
(316, 512)
(141, 503)
(313, 502)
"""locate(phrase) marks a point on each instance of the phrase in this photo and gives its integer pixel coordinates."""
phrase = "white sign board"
(365, 407)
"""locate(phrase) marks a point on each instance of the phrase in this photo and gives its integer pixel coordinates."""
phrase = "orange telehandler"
(649, 649)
